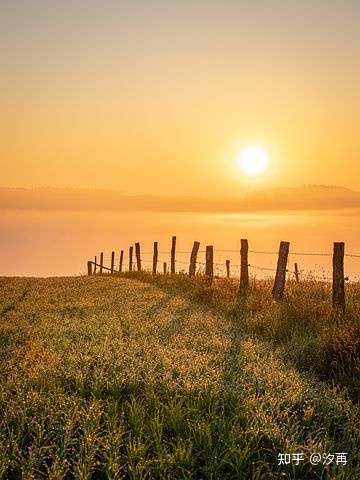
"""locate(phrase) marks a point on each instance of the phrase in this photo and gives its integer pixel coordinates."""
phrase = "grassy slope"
(106, 377)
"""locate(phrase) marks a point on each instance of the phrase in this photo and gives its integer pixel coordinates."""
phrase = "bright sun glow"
(253, 160)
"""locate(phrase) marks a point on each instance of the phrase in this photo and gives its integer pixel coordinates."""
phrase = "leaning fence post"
(280, 277)
(338, 275)
(138, 256)
(95, 265)
(164, 268)
(227, 268)
(244, 265)
(89, 267)
(193, 257)
(209, 261)
(155, 258)
(130, 258)
(112, 262)
(121, 261)
(173, 250)
(296, 271)
(101, 261)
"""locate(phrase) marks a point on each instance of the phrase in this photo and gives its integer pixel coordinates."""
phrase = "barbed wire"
(263, 268)
(308, 275)
(218, 266)
(263, 252)
(312, 276)
(226, 251)
(260, 252)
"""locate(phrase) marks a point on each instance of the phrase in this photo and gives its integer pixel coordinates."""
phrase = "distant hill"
(306, 197)
(312, 197)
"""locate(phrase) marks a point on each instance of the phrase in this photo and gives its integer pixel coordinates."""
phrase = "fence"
(281, 269)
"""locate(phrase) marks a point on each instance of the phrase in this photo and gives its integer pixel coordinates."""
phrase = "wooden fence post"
(193, 257)
(101, 261)
(164, 268)
(138, 256)
(173, 250)
(89, 267)
(155, 258)
(112, 262)
(95, 264)
(280, 277)
(296, 271)
(209, 259)
(227, 268)
(338, 276)
(121, 261)
(130, 258)
(244, 265)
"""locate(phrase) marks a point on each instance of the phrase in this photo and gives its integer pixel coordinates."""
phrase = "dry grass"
(108, 377)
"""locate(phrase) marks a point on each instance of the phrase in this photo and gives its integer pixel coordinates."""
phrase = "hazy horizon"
(311, 197)
(203, 119)
(56, 242)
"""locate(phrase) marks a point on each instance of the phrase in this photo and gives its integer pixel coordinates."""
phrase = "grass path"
(105, 377)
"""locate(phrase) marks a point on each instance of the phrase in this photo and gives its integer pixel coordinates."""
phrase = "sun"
(253, 160)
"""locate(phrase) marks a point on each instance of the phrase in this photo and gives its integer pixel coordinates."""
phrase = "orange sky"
(158, 98)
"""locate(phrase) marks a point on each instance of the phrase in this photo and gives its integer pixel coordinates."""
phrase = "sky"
(159, 97)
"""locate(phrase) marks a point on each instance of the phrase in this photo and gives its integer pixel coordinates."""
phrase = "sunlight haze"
(155, 97)
(212, 120)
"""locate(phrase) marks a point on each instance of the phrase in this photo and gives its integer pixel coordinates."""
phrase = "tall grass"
(303, 328)
(109, 377)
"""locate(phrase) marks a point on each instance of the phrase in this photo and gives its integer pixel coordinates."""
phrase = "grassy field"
(165, 378)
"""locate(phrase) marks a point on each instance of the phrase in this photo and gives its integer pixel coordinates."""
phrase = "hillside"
(313, 197)
(108, 377)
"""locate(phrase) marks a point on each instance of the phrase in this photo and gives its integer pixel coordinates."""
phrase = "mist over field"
(43, 242)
